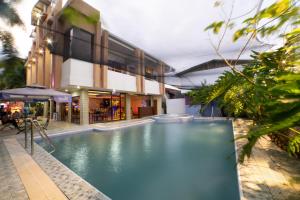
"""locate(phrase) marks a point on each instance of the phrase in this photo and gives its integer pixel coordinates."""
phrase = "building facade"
(109, 79)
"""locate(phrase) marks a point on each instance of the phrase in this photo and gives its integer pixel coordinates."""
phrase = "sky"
(171, 30)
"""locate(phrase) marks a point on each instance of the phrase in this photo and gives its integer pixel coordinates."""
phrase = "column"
(69, 112)
(51, 109)
(128, 107)
(159, 104)
(46, 109)
(84, 107)
(58, 111)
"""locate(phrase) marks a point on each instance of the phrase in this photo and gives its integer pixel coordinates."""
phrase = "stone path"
(11, 187)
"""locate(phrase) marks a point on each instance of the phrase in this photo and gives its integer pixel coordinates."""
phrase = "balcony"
(121, 81)
(152, 87)
(77, 73)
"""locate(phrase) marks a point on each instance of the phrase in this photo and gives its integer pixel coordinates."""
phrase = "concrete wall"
(175, 106)
(77, 72)
(152, 87)
(120, 81)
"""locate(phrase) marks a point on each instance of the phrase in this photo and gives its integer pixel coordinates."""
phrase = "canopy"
(34, 93)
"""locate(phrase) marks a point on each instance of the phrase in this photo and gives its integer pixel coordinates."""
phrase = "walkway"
(270, 173)
(37, 184)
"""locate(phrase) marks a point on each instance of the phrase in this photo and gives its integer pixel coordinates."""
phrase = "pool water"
(183, 161)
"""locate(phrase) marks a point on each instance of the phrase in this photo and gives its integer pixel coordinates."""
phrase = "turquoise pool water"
(187, 161)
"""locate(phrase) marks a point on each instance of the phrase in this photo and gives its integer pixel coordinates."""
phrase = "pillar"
(58, 111)
(51, 109)
(128, 107)
(69, 112)
(159, 104)
(46, 109)
(84, 107)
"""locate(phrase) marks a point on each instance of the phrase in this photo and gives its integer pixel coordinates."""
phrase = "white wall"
(175, 106)
(151, 87)
(77, 72)
(120, 81)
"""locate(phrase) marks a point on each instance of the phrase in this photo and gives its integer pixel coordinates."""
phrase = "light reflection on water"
(147, 138)
(115, 149)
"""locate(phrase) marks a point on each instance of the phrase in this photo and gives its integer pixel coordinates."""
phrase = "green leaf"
(215, 26)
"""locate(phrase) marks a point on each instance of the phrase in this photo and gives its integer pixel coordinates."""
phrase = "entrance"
(141, 106)
(105, 107)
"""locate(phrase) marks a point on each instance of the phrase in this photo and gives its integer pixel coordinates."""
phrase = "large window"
(79, 45)
(151, 68)
(104, 106)
(121, 57)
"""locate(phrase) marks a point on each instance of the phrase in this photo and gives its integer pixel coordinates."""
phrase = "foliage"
(75, 17)
(9, 14)
(12, 71)
(267, 90)
(200, 95)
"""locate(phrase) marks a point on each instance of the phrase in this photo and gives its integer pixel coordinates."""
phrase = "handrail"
(43, 133)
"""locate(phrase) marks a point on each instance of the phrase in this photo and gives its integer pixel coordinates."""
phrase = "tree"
(11, 66)
(268, 89)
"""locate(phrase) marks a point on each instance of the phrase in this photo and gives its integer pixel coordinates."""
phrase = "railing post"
(25, 133)
(31, 136)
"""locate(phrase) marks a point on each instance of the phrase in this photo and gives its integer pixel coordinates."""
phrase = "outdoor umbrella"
(34, 93)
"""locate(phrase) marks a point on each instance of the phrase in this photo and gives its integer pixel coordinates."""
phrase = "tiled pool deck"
(269, 174)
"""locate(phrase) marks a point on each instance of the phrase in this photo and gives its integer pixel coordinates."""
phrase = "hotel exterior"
(109, 79)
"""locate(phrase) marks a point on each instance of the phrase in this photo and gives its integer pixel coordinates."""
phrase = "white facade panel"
(120, 81)
(77, 73)
(151, 87)
(175, 106)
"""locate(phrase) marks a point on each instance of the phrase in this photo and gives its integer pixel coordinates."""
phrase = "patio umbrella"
(34, 93)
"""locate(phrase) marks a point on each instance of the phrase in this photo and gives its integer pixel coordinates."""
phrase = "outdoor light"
(49, 41)
(38, 15)
(78, 87)
(114, 91)
(41, 50)
(66, 90)
(33, 60)
(283, 62)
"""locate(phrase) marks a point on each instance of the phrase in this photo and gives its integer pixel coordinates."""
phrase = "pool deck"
(269, 174)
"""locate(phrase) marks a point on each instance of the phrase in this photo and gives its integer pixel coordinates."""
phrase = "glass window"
(121, 57)
(151, 68)
(104, 106)
(79, 45)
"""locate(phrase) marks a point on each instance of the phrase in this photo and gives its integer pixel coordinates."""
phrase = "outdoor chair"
(12, 123)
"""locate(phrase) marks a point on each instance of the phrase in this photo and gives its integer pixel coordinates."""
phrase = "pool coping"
(146, 121)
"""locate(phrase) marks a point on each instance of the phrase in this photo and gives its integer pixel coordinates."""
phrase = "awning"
(34, 94)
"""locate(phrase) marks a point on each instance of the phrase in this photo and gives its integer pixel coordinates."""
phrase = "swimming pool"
(156, 161)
